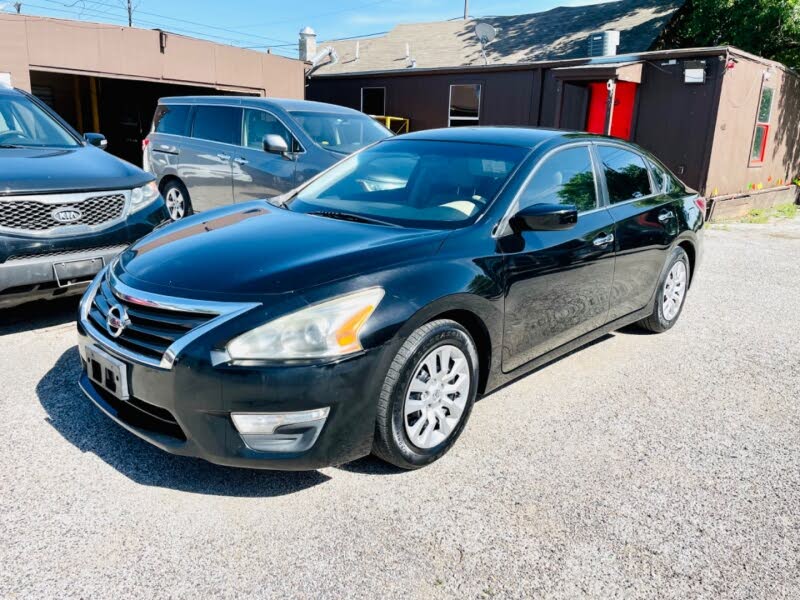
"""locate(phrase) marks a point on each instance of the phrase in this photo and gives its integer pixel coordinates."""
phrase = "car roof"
(9, 91)
(524, 137)
(285, 104)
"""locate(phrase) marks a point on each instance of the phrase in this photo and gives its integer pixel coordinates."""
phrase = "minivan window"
(429, 184)
(567, 177)
(626, 174)
(259, 123)
(24, 123)
(218, 124)
(171, 118)
(340, 132)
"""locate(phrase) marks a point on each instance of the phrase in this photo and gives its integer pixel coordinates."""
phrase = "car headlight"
(142, 196)
(324, 330)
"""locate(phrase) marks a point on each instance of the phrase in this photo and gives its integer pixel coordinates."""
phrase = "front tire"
(177, 198)
(427, 396)
(671, 294)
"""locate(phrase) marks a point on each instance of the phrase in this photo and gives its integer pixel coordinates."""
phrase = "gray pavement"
(661, 466)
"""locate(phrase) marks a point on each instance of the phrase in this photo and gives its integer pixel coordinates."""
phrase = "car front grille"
(45, 214)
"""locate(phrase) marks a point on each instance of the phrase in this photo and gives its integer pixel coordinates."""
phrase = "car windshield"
(24, 124)
(413, 183)
(339, 132)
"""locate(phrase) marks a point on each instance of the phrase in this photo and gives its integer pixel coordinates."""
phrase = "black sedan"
(366, 311)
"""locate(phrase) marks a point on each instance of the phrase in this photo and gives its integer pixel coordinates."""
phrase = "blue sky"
(274, 23)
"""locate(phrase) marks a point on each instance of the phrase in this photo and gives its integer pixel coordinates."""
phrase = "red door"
(622, 117)
(596, 119)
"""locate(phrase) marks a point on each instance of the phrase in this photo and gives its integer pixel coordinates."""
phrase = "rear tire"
(177, 198)
(427, 396)
(670, 295)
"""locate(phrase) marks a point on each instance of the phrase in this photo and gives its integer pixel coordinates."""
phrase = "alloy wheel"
(674, 290)
(176, 205)
(437, 396)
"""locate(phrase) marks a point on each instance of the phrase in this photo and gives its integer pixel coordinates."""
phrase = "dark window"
(373, 101)
(218, 124)
(171, 118)
(567, 178)
(258, 123)
(465, 104)
(626, 174)
(761, 133)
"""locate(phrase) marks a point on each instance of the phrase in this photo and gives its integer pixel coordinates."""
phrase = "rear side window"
(626, 174)
(171, 118)
(566, 178)
(218, 124)
(659, 177)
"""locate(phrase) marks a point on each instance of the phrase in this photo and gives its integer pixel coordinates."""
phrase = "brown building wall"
(42, 44)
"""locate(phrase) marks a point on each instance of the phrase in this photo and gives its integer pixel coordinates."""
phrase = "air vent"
(603, 43)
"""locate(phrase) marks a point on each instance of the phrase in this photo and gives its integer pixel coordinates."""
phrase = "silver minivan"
(209, 151)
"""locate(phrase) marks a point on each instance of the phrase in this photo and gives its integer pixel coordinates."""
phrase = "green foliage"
(579, 190)
(769, 28)
(787, 211)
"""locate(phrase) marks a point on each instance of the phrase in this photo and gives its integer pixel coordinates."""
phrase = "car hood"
(49, 170)
(258, 249)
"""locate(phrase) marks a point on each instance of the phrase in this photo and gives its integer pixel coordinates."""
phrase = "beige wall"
(730, 169)
(35, 43)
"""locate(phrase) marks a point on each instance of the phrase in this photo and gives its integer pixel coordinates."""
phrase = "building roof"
(559, 33)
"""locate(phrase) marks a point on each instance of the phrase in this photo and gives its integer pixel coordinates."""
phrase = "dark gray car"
(209, 151)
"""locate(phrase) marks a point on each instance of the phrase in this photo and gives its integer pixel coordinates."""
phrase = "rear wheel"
(671, 293)
(177, 198)
(427, 396)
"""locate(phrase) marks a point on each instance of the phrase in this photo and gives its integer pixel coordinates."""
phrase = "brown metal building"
(107, 78)
(725, 121)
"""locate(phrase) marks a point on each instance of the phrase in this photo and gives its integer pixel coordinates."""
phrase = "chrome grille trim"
(97, 249)
(218, 313)
(32, 214)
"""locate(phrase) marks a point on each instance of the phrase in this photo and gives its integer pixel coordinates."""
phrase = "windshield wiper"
(343, 216)
(11, 146)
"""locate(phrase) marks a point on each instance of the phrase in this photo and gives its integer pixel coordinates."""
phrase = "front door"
(206, 157)
(621, 112)
(558, 282)
(646, 219)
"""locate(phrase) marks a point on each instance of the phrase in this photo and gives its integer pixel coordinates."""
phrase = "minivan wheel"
(427, 395)
(671, 293)
(177, 199)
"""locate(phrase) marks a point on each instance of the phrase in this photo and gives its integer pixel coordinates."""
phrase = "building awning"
(621, 71)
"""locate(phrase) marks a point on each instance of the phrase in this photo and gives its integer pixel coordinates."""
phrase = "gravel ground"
(641, 466)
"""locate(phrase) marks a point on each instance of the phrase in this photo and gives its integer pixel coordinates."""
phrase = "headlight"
(324, 330)
(142, 196)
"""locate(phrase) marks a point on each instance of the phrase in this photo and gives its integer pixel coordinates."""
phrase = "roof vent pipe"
(308, 44)
(318, 61)
(603, 43)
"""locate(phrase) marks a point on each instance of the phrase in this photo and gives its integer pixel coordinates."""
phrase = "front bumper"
(186, 409)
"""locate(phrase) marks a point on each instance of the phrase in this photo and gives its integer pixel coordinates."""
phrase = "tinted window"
(626, 174)
(414, 183)
(171, 118)
(218, 124)
(258, 123)
(340, 132)
(564, 178)
(659, 177)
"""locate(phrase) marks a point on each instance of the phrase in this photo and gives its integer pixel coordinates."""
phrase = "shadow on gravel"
(89, 430)
(371, 465)
(38, 315)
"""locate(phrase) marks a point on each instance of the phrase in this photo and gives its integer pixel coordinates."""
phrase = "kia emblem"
(67, 214)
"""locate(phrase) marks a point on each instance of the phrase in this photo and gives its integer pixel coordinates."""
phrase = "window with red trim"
(761, 133)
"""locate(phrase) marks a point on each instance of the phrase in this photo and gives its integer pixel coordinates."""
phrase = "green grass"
(786, 211)
(757, 215)
(760, 216)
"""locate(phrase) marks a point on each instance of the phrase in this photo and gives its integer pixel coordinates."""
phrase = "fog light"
(298, 430)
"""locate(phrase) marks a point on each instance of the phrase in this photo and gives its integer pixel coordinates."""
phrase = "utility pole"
(18, 6)
(130, 13)
(466, 9)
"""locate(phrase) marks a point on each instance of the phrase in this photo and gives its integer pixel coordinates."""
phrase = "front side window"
(258, 124)
(171, 118)
(761, 133)
(465, 105)
(566, 177)
(24, 124)
(218, 124)
(625, 172)
(340, 132)
(428, 184)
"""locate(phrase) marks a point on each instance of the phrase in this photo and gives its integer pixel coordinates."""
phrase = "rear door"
(558, 282)
(170, 128)
(206, 157)
(259, 174)
(646, 224)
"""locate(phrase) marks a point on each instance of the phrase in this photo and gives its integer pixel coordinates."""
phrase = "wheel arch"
(691, 252)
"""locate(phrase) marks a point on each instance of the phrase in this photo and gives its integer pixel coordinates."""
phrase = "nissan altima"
(368, 309)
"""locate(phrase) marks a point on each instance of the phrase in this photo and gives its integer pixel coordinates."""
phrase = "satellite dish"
(486, 34)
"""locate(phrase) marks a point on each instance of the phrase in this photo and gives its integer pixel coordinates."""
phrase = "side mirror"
(96, 139)
(545, 217)
(275, 144)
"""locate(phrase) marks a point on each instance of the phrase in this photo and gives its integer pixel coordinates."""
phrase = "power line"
(314, 16)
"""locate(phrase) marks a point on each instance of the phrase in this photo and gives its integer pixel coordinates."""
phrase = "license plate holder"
(107, 372)
(83, 270)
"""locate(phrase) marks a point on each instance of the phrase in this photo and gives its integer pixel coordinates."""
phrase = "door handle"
(240, 160)
(224, 156)
(666, 216)
(603, 240)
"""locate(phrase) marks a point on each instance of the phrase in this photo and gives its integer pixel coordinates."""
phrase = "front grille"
(30, 214)
(97, 249)
(143, 415)
(151, 330)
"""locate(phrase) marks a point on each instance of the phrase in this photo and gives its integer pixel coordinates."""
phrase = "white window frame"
(475, 120)
(374, 87)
